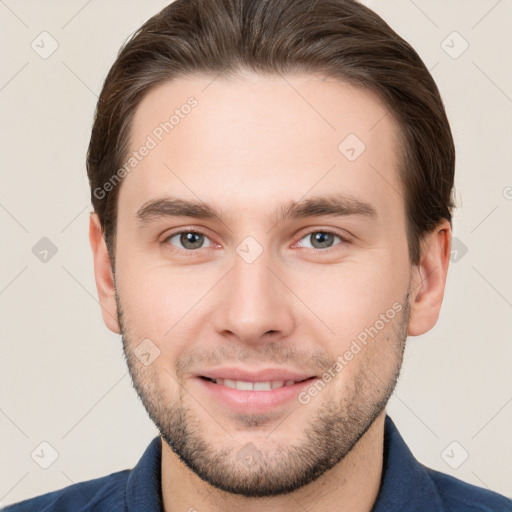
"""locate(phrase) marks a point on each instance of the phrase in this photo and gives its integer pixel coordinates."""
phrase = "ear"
(429, 279)
(103, 274)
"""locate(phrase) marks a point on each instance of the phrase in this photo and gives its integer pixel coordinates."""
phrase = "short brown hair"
(338, 38)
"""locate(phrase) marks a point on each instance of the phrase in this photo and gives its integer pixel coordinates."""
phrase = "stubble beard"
(250, 470)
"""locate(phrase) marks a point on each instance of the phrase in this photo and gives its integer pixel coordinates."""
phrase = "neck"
(352, 485)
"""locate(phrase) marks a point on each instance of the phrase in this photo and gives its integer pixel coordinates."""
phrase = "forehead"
(249, 140)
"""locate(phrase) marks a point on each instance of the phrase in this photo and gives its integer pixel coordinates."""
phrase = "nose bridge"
(254, 299)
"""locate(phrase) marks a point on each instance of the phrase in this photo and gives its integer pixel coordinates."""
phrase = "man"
(272, 190)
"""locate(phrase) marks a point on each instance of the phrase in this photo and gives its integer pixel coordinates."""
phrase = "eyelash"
(343, 240)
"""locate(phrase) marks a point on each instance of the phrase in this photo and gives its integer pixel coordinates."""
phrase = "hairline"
(401, 143)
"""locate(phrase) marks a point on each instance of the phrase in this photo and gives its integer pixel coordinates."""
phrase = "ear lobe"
(103, 275)
(429, 280)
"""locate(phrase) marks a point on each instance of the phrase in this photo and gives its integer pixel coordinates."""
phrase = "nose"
(254, 304)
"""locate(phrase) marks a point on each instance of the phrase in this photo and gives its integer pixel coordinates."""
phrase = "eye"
(189, 240)
(321, 239)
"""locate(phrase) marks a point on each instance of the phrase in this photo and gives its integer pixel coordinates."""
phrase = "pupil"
(191, 239)
(322, 238)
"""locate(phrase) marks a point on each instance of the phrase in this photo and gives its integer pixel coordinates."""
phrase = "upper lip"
(264, 375)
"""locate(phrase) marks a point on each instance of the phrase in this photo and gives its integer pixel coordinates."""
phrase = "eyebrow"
(336, 205)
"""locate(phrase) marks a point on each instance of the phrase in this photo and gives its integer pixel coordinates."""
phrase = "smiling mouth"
(243, 385)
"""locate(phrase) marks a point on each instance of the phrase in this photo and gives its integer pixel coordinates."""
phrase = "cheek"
(351, 296)
(160, 303)
(367, 364)
(150, 303)
(348, 296)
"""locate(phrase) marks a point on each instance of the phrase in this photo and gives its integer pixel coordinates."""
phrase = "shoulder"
(106, 493)
(457, 495)
(109, 493)
(409, 485)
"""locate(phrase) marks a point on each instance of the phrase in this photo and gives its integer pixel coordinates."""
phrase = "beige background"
(62, 375)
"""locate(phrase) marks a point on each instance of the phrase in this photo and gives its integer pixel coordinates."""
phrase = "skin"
(252, 145)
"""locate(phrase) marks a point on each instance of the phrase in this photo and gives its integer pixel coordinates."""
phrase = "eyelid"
(345, 239)
(198, 231)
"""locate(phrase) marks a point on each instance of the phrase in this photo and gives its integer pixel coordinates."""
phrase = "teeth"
(253, 386)
(243, 386)
(262, 386)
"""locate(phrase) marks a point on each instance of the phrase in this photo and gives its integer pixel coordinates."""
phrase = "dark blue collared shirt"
(407, 486)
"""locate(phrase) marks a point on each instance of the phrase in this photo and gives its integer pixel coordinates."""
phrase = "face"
(262, 274)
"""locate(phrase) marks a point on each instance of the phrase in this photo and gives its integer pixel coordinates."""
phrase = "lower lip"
(254, 401)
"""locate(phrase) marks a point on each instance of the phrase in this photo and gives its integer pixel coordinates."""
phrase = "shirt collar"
(405, 484)
(143, 487)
